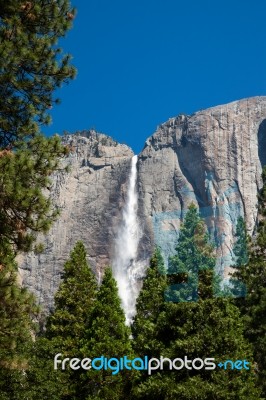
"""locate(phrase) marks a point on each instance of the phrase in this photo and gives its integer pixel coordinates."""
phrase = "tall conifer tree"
(108, 336)
(241, 252)
(150, 304)
(74, 302)
(241, 245)
(31, 68)
(66, 329)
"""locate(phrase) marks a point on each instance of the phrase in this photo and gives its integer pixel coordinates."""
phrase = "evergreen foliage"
(86, 322)
(150, 304)
(74, 302)
(108, 336)
(24, 176)
(66, 328)
(17, 309)
(253, 276)
(193, 263)
(211, 326)
(31, 64)
(241, 246)
(31, 68)
(241, 251)
(42, 381)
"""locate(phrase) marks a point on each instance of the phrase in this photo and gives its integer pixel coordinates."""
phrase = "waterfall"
(127, 270)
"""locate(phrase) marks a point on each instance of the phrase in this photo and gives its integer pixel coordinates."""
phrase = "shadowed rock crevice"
(262, 142)
(192, 168)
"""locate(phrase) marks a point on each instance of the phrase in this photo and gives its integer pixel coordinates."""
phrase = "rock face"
(90, 198)
(213, 158)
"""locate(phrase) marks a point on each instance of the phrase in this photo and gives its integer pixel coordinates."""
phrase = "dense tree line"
(192, 318)
(251, 273)
(170, 322)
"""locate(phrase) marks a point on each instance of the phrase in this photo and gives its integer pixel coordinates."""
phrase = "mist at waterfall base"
(127, 270)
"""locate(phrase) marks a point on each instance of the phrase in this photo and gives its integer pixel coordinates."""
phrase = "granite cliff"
(213, 158)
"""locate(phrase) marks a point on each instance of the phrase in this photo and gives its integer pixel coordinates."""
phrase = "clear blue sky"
(141, 62)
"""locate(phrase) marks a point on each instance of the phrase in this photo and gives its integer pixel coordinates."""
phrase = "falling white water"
(127, 270)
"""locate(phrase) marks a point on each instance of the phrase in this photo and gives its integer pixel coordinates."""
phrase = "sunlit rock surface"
(213, 158)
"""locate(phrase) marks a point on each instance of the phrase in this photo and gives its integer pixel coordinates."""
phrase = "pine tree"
(241, 252)
(108, 336)
(193, 262)
(30, 63)
(25, 209)
(194, 323)
(31, 68)
(241, 246)
(74, 302)
(17, 308)
(42, 381)
(66, 329)
(150, 304)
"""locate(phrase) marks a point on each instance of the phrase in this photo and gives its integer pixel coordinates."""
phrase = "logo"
(146, 364)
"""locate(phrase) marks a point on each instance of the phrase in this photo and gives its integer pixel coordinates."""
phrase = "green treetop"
(194, 261)
(241, 252)
(31, 64)
(66, 331)
(241, 245)
(74, 302)
(31, 69)
(150, 304)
